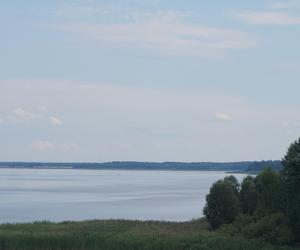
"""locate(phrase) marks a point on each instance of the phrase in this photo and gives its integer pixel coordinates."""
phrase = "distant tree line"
(258, 166)
(247, 166)
(265, 206)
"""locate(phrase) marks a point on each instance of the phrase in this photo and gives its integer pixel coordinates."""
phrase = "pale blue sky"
(148, 80)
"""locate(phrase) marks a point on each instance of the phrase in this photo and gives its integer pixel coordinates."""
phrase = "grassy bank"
(120, 234)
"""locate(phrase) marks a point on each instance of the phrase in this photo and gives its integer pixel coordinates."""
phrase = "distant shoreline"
(129, 169)
(250, 167)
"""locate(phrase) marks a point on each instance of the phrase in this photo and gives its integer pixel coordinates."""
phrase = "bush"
(271, 228)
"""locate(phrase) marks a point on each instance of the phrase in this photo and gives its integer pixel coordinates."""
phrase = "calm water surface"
(57, 195)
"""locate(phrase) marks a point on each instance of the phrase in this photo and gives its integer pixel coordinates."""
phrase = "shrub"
(272, 228)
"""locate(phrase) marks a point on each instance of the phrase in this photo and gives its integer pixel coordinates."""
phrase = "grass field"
(120, 234)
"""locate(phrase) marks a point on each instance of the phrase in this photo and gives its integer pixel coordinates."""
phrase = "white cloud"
(269, 18)
(42, 145)
(55, 121)
(49, 146)
(160, 31)
(21, 115)
(223, 116)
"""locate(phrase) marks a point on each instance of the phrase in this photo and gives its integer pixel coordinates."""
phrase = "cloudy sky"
(148, 80)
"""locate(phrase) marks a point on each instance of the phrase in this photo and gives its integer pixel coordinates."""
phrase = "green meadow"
(122, 234)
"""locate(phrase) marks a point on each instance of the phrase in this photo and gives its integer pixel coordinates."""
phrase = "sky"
(148, 80)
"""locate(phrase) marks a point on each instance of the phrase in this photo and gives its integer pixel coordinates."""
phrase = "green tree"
(248, 195)
(222, 203)
(291, 175)
(270, 192)
(233, 182)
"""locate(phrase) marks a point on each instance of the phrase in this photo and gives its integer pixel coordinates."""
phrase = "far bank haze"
(246, 166)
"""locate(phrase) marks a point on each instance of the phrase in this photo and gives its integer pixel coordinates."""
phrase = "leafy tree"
(222, 203)
(291, 175)
(248, 195)
(233, 182)
(270, 192)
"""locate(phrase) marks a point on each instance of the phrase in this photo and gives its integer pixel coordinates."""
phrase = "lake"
(64, 194)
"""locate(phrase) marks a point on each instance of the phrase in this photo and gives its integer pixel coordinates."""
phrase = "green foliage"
(272, 228)
(123, 235)
(270, 203)
(249, 195)
(233, 182)
(291, 175)
(270, 192)
(262, 200)
(223, 203)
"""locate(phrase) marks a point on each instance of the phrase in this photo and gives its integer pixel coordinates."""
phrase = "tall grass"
(121, 234)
